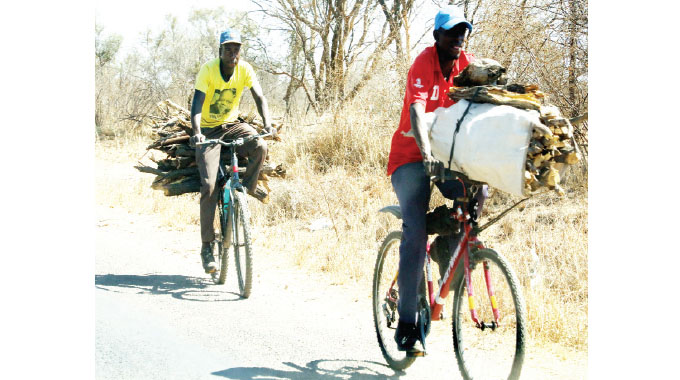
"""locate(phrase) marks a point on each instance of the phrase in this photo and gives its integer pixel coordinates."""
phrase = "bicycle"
(485, 333)
(234, 221)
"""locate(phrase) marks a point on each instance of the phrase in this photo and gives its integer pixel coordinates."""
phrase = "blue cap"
(230, 35)
(450, 16)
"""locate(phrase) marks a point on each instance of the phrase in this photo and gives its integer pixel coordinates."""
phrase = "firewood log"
(497, 95)
(173, 175)
(480, 72)
(184, 139)
(183, 186)
(148, 169)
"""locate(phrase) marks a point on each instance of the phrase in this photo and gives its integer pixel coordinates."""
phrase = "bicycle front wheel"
(222, 246)
(494, 347)
(241, 243)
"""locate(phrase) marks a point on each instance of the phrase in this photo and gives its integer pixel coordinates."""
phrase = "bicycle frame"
(231, 184)
(232, 181)
(468, 242)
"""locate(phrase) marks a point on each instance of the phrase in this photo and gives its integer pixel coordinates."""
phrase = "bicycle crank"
(389, 314)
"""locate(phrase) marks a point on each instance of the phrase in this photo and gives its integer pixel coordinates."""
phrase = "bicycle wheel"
(222, 246)
(386, 298)
(489, 351)
(241, 242)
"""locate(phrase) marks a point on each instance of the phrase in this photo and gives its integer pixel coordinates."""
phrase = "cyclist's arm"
(196, 107)
(419, 129)
(262, 107)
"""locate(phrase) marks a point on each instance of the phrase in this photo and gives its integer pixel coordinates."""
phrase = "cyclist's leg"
(208, 161)
(412, 187)
(255, 150)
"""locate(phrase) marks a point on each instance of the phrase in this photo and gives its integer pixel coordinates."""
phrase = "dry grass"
(336, 172)
(119, 184)
(547, 244)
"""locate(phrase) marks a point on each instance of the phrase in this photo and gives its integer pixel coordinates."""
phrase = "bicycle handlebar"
(231, 143)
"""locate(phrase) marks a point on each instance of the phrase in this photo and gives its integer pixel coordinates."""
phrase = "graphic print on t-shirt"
(222, 102)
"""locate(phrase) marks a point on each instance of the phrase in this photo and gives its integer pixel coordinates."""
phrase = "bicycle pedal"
(415, 354)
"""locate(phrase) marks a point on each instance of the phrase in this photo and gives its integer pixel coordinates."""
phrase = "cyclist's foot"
(408, 339)
(207, 258)
(260, 194)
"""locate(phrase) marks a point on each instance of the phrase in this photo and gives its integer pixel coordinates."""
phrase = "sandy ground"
(159, 316)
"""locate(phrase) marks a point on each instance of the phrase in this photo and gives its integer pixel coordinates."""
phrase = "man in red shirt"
(411, 163)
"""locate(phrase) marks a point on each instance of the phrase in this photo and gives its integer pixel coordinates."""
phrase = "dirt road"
(159, 316)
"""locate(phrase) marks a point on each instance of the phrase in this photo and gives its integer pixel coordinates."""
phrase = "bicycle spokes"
(487, 293)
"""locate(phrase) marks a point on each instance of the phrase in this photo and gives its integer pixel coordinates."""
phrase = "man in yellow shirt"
(214, 115)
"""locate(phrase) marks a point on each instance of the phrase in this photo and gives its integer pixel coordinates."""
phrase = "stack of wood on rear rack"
(177, 173)
(551, 148)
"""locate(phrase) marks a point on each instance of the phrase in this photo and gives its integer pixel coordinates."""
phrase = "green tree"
(105, 48)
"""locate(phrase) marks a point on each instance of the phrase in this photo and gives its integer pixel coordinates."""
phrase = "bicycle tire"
(387, 263)
(488, 352)
(222, 246)
(241, 243)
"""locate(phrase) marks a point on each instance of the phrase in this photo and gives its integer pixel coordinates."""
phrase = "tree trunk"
(573, 37)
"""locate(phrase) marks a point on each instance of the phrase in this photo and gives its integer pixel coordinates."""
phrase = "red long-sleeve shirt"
(426, 85)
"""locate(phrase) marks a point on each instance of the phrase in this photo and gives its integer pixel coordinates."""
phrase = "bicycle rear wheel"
(241, 242)
(386, 298)
(495, 351)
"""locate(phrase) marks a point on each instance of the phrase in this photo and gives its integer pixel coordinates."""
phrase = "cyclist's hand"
(197, 138)
(431, 165)
(269, 129)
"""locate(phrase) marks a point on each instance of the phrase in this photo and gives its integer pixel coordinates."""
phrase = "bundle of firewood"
(551, 147)
(177, 172)
(549, 153)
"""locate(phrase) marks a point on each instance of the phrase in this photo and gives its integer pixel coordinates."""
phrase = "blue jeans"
(412, 187)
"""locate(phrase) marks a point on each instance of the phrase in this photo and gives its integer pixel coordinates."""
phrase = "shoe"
(207, 258)
(408, 338)
(260, 194)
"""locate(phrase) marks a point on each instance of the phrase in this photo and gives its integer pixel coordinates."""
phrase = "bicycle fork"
(234, 170)
(489, 288)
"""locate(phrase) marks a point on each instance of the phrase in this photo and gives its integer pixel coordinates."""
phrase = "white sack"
(491, 145)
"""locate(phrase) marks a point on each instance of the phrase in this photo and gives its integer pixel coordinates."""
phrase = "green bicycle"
(234, 220)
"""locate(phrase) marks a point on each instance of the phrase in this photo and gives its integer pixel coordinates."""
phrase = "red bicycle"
(488, 334)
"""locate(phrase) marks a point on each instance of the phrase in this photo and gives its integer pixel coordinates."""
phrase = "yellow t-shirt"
(222, 98)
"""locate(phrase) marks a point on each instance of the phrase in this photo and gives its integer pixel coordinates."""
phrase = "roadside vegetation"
(335, 147)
